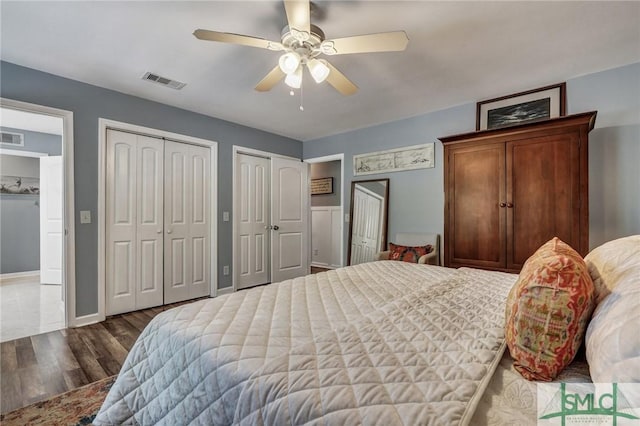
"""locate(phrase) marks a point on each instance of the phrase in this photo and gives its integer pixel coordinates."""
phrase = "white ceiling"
(458, 52)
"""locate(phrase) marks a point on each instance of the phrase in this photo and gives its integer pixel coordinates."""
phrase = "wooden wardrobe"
(508, 191)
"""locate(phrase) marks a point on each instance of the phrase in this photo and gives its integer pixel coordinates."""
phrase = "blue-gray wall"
(20, 214)
(36, 141)
(417, 197)
(88, 103)
(20, 224)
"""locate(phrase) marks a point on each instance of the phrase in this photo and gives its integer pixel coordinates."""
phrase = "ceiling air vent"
(13, 139)
(163, 80)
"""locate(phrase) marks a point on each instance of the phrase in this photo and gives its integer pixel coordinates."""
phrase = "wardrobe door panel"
(475, 228)
(543, 187)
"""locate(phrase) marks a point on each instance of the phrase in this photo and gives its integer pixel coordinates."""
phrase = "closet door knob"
(509, 205)
(503, 204)
(168, 231)
(159, 231)
(275, 227)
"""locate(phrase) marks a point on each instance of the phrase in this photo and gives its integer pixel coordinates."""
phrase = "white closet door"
(186, 243)
(290, 219)
(252, 215)
(149, 222)
(199, 223)
(134, 220)
(121, 222)
(51, 220)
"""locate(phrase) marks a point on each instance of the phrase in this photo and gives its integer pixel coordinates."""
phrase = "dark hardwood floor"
(38, 367)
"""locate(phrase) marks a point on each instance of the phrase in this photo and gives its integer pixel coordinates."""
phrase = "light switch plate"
(346, 218)
(225, 270)
(225, 216)
(85, 216)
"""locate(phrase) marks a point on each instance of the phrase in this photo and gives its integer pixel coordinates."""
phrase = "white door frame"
(69, 246)
(250, 151)
(103, 125)
(325, 159)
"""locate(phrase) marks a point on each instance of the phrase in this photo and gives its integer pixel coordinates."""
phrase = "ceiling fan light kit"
(289, 62)
(318, 69)
(294, 79)
(303, 42)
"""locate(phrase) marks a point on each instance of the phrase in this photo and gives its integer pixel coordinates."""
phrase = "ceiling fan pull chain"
(301, 99)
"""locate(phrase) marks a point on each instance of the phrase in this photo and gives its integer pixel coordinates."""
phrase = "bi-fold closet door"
(157, 227)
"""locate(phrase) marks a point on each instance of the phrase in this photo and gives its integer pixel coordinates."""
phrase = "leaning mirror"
(368, 224)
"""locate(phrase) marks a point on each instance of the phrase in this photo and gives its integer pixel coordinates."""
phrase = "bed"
(379, 343)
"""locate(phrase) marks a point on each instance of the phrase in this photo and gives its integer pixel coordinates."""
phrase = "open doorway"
(33, 274)
(327, 201)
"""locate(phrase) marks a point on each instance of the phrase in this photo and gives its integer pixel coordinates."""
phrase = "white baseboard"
(324, 266)
(226, 290)
(10, 275)
(86, 320)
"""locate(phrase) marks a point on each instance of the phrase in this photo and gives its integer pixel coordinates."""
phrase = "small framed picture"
(322, 186)
(524, 107)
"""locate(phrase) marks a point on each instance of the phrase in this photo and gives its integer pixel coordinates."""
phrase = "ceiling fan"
(302, 44)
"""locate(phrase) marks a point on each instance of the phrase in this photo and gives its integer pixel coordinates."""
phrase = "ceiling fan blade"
(339, 82)
(237, 39)
(298, 14)
(380, 42)
(270, 80)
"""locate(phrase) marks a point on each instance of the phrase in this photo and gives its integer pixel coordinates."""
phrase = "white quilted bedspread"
(379, 343)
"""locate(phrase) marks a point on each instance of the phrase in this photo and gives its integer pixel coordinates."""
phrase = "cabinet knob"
(503, 204)
(275, 227)
(168, 231)
(509, 205)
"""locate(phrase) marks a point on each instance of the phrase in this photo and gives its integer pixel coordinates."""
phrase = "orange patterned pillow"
(548, 310)
(408, 254)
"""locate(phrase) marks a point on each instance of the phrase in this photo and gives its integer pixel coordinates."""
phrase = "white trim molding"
(17, 153)
(69, 250)
(325, 159)
(103, 125)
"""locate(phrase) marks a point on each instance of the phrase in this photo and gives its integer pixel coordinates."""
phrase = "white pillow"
(612, 338)
(611, 262)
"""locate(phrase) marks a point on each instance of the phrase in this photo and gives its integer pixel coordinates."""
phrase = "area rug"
(76, 407)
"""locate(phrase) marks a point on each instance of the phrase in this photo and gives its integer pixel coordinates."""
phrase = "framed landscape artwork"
(394, 160)
(524, 107)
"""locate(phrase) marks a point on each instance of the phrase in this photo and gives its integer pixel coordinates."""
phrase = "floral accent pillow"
(407, 253)
(548, 310)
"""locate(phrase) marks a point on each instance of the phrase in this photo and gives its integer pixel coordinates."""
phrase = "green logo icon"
(590, 404)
